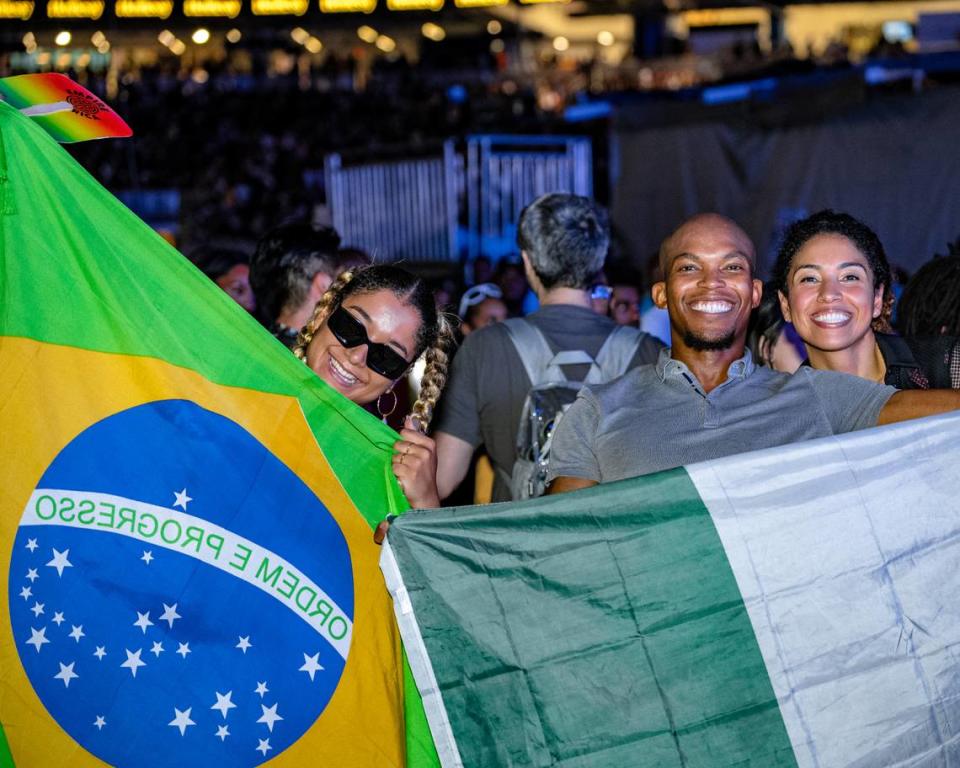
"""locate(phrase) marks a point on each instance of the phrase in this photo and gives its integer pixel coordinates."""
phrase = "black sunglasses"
(351, 333)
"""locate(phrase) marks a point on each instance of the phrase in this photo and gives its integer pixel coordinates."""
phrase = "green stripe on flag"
(6, 759)
(603, 628)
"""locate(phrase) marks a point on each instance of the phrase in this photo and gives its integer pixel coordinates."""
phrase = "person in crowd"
(772, 341)
(293, 266)
(625, 285)
(230, 269)
(705, 398)
(513, 283)
(364, 334)
(481, 306)
(930, 305)
(564, 240)
(833, 280)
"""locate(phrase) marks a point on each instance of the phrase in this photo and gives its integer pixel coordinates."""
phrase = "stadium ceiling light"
(386, 44)
(605, 37)
(234, 35)
(433, 31)
(367, 34)
(63, 38)
(560, 43)
(201, 36)
(494, 27)
(313, 44)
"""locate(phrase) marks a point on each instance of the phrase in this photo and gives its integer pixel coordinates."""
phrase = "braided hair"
(435, 337)
(930, 304)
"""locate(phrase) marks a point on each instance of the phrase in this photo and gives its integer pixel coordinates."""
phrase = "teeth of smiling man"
(342, 372)
(712, 307)
(831, 317)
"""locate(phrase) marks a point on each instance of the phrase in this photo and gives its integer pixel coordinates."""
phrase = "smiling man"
(705, 398)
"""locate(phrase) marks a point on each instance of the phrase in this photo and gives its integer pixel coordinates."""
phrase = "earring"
(393, 407)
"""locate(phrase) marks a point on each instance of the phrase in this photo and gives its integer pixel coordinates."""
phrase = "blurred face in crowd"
(513, 283)
(832, 298)
(384, 320)
(625, 305)
(236, 283)
(709, 289)
(487, 312)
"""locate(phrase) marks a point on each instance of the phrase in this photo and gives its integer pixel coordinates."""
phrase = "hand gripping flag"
(186, 558)
(790, 607)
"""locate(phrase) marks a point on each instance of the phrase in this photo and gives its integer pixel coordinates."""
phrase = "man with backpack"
(510, 382)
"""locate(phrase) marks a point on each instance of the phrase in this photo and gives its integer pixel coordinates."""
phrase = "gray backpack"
(551, 393)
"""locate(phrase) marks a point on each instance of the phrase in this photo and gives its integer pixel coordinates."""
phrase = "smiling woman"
(366, 332)
(833, 280)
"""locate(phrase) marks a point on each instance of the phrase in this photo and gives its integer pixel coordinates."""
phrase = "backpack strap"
(617, 352)
(542, 365)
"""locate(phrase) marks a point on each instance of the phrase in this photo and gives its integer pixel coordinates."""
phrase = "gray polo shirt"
(657, 417)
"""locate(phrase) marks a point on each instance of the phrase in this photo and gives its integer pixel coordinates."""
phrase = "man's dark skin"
(709, 291)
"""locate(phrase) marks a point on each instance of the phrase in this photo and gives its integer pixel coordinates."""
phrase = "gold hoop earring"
(384, 414)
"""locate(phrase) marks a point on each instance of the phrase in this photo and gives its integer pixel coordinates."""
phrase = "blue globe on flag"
(179, 596)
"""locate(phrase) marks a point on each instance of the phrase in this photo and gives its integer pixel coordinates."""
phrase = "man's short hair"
(287, 259)
(566, 238)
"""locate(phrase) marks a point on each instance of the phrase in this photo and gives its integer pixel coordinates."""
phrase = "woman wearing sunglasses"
(366, 331)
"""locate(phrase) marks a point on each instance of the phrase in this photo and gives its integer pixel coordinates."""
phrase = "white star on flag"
(222, 732)
(37, 609)
(77, 632)
(182, 499)
(66, 673)
(58, 618)
(184, 649)
(31, 544)
(181, 720)
(143, 621)
(157, 649)
(37, 638)
(269, 716)
(99, 723)
(133, 662)
(264, 746)
(244, 643)
(100, 652)
(223, 703)
(170, 614)
(60, 561)
(32, 575)
(147, 556)
(262, 688)
(311, 665)
(26, 593)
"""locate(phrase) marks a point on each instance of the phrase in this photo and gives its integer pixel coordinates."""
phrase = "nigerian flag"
(186, 561)
(791, 607)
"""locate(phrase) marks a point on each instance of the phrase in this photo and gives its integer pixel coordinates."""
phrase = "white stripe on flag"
(847, 553)
(420, 664)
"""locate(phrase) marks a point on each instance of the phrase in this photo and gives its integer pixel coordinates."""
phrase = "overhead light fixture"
(560, 43)
(386, 44)
(605, 37)
(494, 27)
(299, 35)
(234, 35)
(63, 38)
(201, 36)
(496, 45)
(178, 47)
(367, 34)
(313, 44)
(166, 37)
(433, 31)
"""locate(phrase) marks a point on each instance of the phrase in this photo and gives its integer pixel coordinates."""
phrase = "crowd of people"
(545, 381)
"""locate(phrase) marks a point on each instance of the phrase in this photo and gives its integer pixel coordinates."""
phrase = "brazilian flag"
(186, 555)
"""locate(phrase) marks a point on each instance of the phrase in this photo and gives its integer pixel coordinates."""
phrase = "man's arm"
(915, 403)
(563, 484)
(453, 461)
